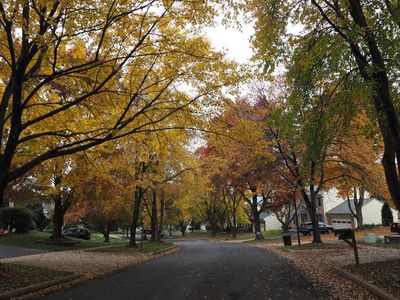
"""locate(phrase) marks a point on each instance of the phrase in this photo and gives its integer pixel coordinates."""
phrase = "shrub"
(18, 218)
(39, 217)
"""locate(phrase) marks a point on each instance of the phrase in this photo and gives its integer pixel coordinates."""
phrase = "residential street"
(200, 270)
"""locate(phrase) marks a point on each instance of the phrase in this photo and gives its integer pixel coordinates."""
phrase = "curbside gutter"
(377, 291)
(163, 250)
(36, 287)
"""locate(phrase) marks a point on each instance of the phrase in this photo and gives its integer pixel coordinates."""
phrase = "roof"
(264, 215)
(343, 208)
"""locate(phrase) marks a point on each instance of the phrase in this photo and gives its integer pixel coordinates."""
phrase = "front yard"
(15, 276)
(30, 240)
(379, 265)
(384, 274)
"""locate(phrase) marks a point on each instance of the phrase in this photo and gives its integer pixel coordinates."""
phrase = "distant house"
(269, 221)
(340, 216)
(325, 201)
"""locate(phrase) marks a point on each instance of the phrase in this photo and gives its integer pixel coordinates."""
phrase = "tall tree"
(75, 74)
(351, 43)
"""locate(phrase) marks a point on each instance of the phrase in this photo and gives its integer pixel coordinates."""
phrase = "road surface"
(200, 270)
(8, 251)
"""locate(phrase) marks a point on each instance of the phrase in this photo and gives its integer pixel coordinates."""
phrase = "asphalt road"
(7, 251)
(200, 270)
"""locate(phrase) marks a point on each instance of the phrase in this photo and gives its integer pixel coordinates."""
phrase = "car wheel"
(310, 232)
(330, 231)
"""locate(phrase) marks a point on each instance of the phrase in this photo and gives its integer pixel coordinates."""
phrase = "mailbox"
(344, 234)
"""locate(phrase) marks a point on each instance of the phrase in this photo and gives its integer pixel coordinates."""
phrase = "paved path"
(7, 251)
(200, 270)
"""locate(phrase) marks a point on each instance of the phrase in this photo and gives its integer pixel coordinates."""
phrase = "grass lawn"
(29, 240)
(147, 247)
(385, 274)
(311, 246)
(18, 276)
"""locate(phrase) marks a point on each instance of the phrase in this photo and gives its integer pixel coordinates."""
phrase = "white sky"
(235, 42)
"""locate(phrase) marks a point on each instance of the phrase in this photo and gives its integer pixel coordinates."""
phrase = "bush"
(18, 218)
(39, 217)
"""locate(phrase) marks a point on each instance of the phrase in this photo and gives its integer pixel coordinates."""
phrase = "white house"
(269, 221)
(340, 216)
(325, 201)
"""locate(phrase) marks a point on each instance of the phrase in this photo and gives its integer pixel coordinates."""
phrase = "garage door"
(341, 223)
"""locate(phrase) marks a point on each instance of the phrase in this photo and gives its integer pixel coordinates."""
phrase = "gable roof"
(343, 208)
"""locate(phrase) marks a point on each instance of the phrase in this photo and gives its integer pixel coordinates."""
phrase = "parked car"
(395, 228)
(307, 228)
(80, 233)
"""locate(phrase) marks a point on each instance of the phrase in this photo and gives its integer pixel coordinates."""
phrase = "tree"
(387, 216)
(352, 44)
(76, 74)
(239, 157)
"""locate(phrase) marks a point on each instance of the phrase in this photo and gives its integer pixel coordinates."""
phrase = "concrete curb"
(36, 287)
(377, 291)
(164, 250)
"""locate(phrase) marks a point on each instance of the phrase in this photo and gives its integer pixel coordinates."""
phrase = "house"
(325, 201)
(269, 221)
(341, 217)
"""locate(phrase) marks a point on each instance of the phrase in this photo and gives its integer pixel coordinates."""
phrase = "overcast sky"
(235, 42)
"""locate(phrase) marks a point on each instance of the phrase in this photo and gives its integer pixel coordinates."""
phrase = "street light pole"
(295, 214)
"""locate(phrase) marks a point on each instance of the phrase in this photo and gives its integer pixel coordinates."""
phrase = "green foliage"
(38, 216)
(387, 216)
(18, 218)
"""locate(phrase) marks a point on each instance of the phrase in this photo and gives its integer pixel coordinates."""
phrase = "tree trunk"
(234, 229)
(358, 206)
(58, 219)
(154, 217)
(256, 218)
(170, 229)
(314, 221)
(106, 233)
(213, 224)
(2, 194)
(375, 73)
(135, 216)
(161, 225)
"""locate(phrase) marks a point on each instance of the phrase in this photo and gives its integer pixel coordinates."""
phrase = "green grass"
(18, 276)
(147, 247)
(29, 240)
(384, 274)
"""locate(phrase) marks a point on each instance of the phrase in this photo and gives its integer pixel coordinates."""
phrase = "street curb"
(377, 291)
(162, 250)
(36, 287)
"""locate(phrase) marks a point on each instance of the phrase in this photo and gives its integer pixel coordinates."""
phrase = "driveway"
(200, 270)
(8, 251)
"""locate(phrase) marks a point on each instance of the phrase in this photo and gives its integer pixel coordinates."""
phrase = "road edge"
(164, 250)
(39, 286)
(377, 291)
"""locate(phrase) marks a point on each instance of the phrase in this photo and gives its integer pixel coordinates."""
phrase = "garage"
(341, 223)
